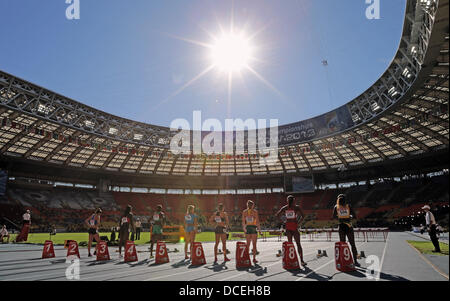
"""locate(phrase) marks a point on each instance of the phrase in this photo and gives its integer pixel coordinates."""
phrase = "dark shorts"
(219, 230)
(251, 229)
(155, 237)
(344, 228)
(292, 232)
(93, 231)
(124, 235)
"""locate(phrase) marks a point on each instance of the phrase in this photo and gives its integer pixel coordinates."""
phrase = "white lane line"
(313, 271)
(176, 274)
(240, 274)
(91, 269)
(166, 276)
(435, 268)
(149, 269)
(133, 272)
(322, 266)
(382, 259)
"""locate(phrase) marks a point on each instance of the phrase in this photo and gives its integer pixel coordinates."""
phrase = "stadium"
(385, 150)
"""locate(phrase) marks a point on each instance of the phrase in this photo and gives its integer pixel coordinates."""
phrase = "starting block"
(321, 253)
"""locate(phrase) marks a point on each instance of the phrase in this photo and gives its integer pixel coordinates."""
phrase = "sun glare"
(231, 52)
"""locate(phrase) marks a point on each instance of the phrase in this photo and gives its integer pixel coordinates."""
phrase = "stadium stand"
(68, 207)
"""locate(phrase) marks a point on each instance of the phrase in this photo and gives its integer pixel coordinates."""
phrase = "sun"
(231, 52)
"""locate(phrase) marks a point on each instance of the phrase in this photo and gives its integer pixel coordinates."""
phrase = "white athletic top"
(138, 224)
(26, 217)
(3, 232)
(429, 218)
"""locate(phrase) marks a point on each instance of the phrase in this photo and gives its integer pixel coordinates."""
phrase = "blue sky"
(121, 56)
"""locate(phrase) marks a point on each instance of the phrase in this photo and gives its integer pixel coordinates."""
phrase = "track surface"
(397, 260)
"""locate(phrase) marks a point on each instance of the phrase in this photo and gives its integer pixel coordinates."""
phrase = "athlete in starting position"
(294, 216)
(344, 213)
(158, 220)
(221, 220)
(190, 224)
(126, 221)
(93, 222)
(250, 224)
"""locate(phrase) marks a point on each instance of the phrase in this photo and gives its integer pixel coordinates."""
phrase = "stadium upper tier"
(402, 115)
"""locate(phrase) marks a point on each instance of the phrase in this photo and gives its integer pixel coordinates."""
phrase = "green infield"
(59, 238)
(426, 247)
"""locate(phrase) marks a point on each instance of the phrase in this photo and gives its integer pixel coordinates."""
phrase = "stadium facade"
(399, 126)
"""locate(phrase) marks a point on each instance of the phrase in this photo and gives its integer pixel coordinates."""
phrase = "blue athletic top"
(189, 218)
(93, 220)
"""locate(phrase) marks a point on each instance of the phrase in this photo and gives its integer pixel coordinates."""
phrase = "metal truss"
(414, 84)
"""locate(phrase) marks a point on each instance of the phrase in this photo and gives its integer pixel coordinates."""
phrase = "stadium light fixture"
(112, 131)
(42, 109)
(407, 73)
(375, 106)
(356, 118)
(89, 124)
(393, 91)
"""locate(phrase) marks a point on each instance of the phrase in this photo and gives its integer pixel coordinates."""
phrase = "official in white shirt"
(4, 233)
(26, 217)
(431, 225)
(138, 225)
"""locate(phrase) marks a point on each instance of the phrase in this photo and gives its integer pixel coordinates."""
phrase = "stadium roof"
(403, 116)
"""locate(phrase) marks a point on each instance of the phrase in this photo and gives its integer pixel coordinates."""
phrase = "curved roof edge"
(390, 89)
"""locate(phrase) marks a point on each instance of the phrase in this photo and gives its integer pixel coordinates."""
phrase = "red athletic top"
(291, 217)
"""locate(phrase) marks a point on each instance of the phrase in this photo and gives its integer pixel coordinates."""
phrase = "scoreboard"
(298, 184)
